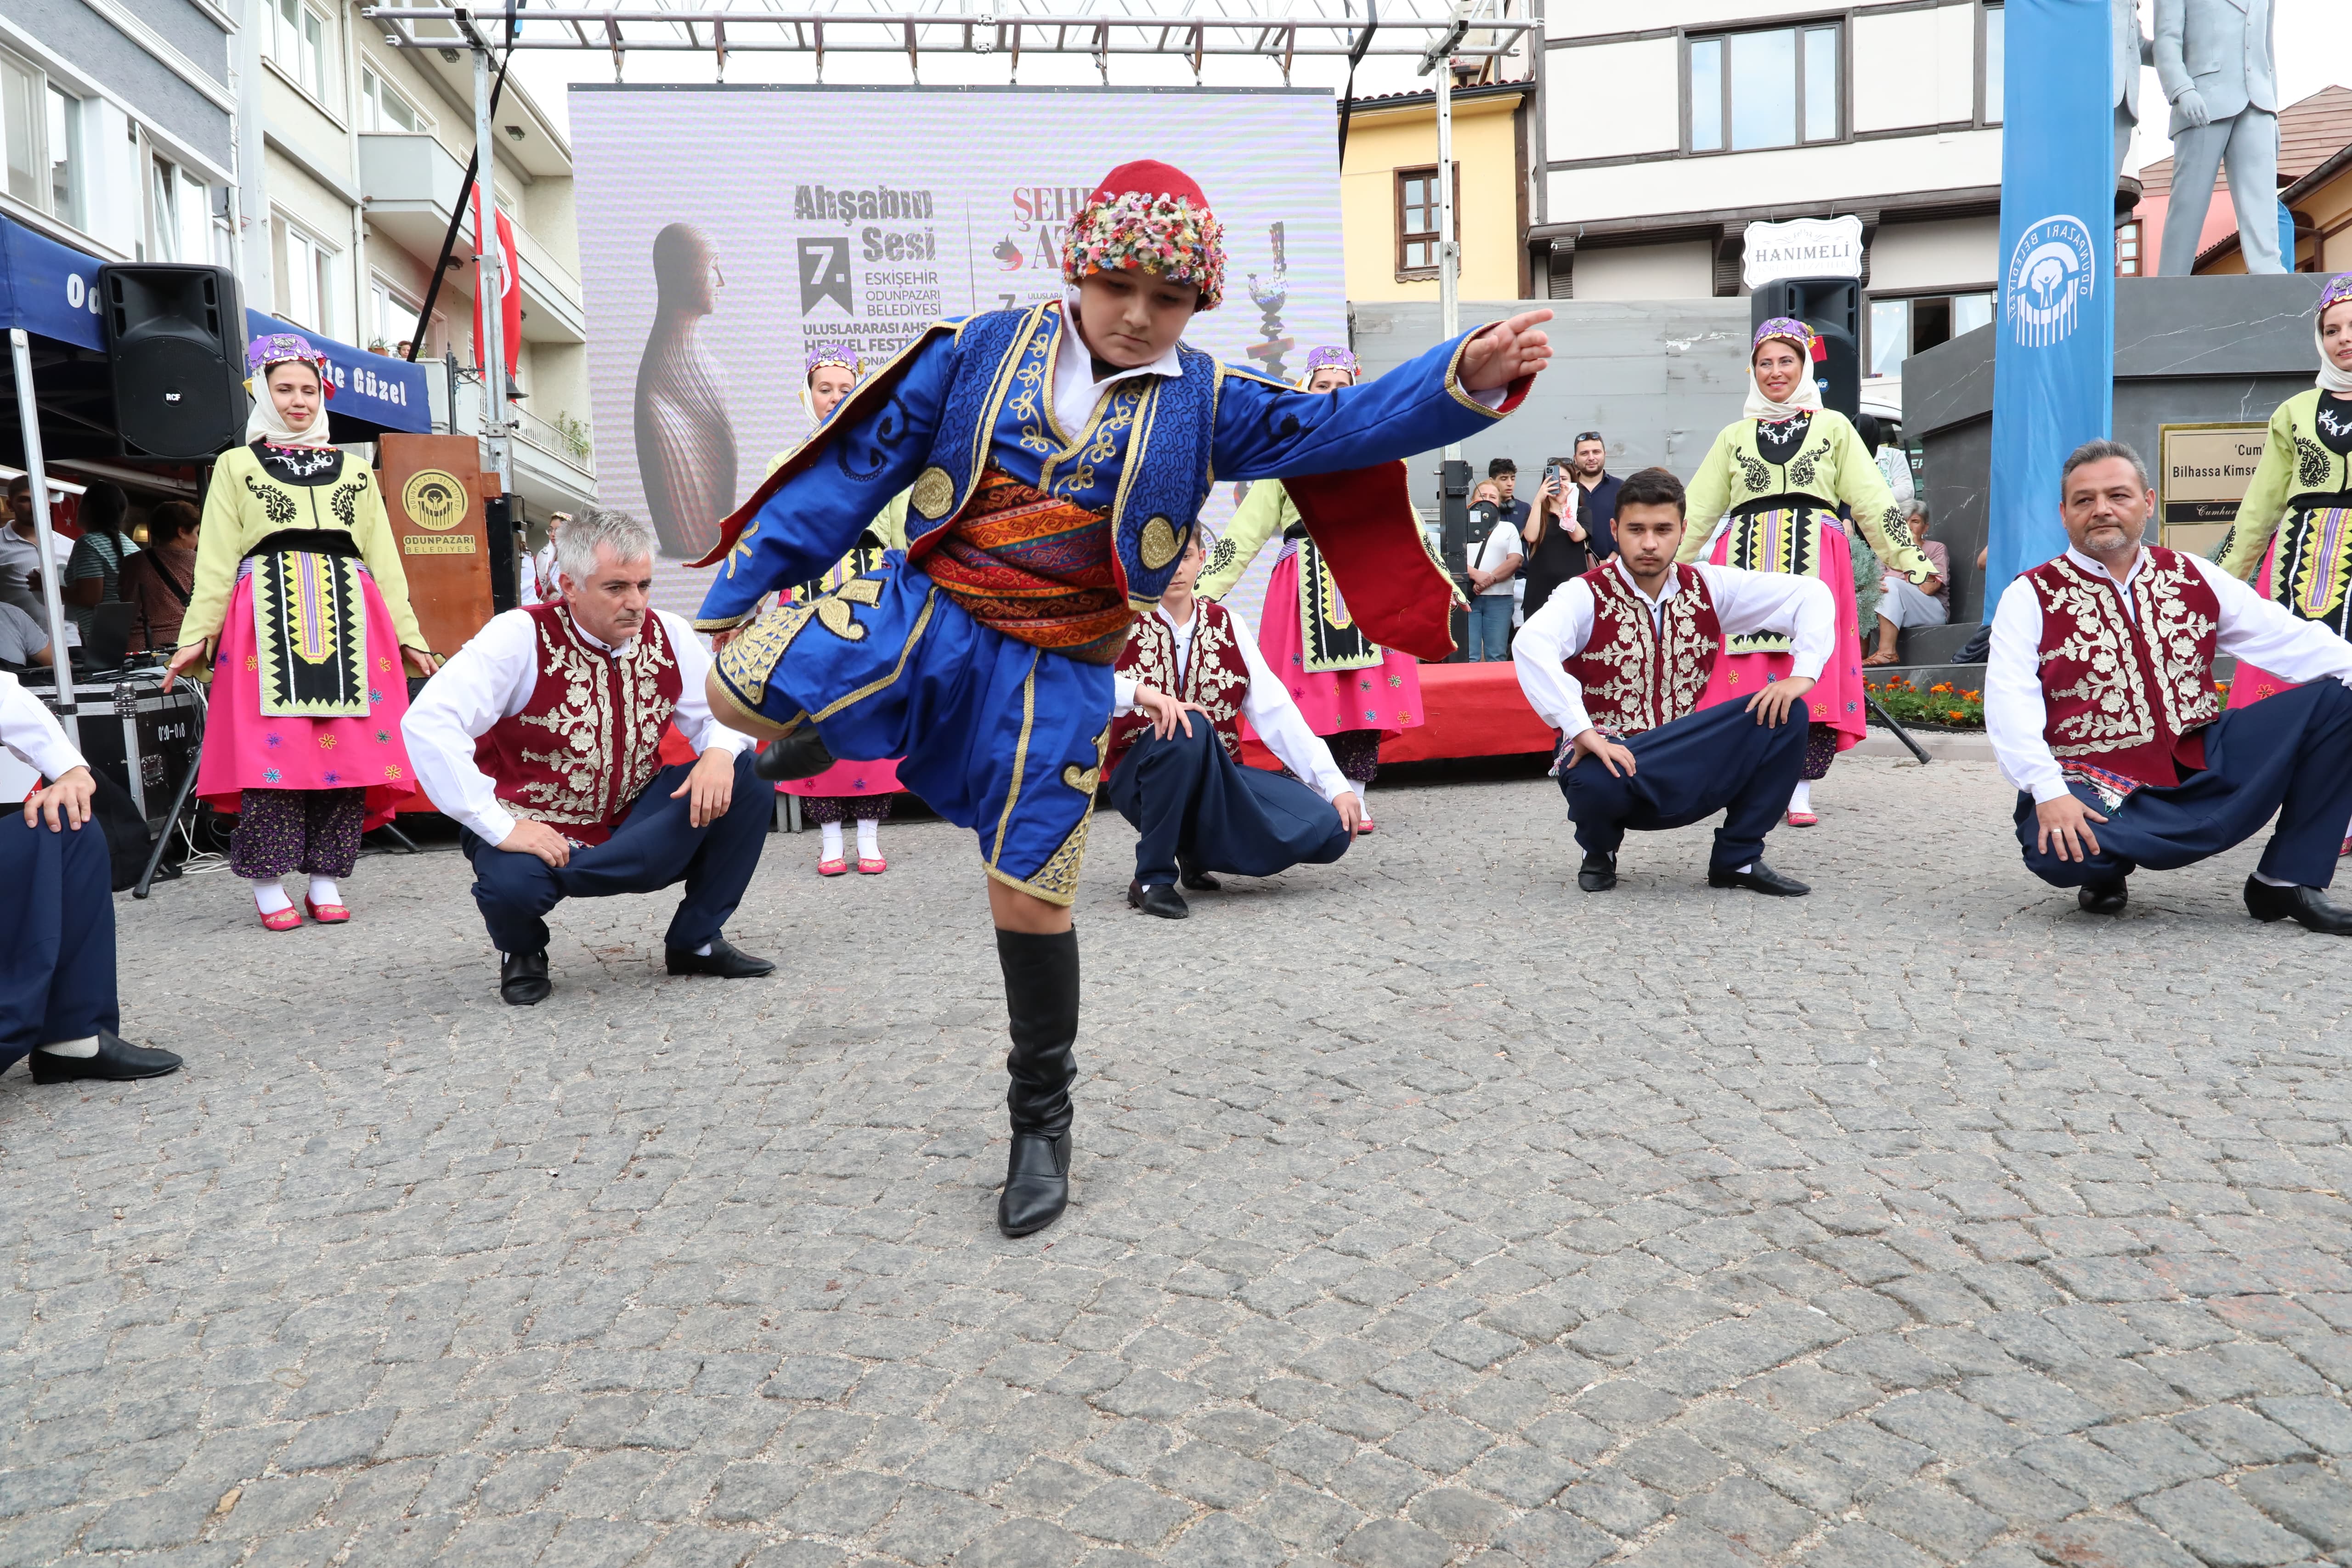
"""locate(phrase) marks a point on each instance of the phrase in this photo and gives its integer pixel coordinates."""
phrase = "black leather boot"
(799, 755)
(1041, 1005)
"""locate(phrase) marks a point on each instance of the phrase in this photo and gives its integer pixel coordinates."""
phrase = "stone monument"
(2132, 51)
(2213, 57)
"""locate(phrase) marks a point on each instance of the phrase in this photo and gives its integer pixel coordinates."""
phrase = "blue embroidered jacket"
(977, 392)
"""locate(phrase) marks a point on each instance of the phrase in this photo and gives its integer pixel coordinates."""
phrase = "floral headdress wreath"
(1794, 333)
(843, 356)
(1331, 357)
(1148, 218)
(286, 348)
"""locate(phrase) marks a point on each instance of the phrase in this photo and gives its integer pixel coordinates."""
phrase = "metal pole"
(491, 296)
(28, 417)
(1449, 253)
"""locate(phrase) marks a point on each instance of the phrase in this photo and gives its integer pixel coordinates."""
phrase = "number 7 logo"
(824, 273)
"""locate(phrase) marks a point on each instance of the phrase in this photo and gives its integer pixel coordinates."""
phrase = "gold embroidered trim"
(1020, 758)
(932, 493)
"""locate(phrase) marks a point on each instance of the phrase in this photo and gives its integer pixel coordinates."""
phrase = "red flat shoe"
(872, 865)
(285, 919)
(327, 914)
(1803, 819)
(833, 868)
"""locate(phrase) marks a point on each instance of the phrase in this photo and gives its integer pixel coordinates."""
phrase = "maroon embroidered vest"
(589, 740)
(1638, 674)
(2125, 694)
(1217, 676)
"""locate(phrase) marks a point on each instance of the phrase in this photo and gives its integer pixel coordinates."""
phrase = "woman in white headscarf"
(300, 610)
(1781, 472)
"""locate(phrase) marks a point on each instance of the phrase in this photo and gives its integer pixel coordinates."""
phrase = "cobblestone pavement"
(1427, 1211)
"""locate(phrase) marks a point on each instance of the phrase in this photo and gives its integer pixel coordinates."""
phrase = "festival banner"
(806, 214)
(2053, 367)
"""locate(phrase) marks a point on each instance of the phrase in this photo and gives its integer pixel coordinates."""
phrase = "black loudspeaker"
(503, 516)
(1833, 307)
(175, 344)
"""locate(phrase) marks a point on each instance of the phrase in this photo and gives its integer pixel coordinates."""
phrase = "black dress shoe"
(724, 960)
(1037, 1182)
(1759, 878)
(2307, 907)
(799, 755)
(523, 978)
(1192, 877)
(1598, 874)
(117, 1059)
(1160, 898)
(2103, 900)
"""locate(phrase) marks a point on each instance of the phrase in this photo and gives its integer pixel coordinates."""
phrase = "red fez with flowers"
(1146, 217)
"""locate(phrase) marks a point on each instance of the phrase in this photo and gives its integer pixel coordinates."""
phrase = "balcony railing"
(562, 437)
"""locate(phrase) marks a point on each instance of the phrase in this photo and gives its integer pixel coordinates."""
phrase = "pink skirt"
(844, 779)
(1837, 699)
(2252, 683)
(246, 750)
(1384, 696)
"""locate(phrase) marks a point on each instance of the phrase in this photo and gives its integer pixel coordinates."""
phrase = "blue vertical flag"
(2054, 368)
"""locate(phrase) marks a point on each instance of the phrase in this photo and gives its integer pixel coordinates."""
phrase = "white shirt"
(30, 730)
(2252, 629)
(492, 677)
(1076, 390)
(1266, 705)
(1500, 546)
(1746, 602)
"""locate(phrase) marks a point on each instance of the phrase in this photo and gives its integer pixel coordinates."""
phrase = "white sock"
(324, 892)
(1804, 799)
(2271, 882)
(270, 895)
(1361, 789)
(86, 1047)
(702, 952)
(1745, 870)
(869, 840)
(832, 834)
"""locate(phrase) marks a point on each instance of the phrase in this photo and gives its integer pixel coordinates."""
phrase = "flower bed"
(1943, 706)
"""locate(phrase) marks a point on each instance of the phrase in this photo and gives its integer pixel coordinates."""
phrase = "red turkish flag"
(511, 290)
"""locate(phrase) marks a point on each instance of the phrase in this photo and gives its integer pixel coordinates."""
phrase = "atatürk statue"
(2213, 57)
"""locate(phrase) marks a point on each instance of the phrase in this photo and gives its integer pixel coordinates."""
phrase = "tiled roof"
(2310, 133)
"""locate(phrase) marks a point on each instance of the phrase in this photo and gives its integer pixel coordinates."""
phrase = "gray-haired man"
(541, 739)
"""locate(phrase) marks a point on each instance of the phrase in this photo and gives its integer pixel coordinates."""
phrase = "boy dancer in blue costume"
(1058, 458)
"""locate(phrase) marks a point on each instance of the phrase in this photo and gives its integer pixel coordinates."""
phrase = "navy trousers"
(2291, 753)
(1717, 759)
(1191, 801)
(655, 844)
(57, 936)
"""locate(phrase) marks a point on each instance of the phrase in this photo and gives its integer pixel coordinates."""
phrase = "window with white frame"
(391, 319)
(309, 289)
(1775, 87)
(1901, 328)
(383, 107)
(41, 124)
(300, 36)
(1996, 61)
(185, 216)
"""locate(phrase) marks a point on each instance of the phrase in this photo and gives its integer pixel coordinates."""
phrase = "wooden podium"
(434, 489)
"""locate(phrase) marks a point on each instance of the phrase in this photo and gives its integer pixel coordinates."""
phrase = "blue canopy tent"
(50, 299)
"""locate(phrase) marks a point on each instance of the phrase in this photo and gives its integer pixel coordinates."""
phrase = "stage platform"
(1469, 710)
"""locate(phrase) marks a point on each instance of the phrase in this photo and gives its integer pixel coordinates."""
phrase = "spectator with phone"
(1494, 560)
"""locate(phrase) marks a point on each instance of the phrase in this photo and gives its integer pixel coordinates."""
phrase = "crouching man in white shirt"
(541, 739)
(2100, 705)
(1616, 661)
(56, 925)
(1179, 780)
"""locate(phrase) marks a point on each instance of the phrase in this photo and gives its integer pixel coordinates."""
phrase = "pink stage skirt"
(246, 750)
(1384, 696)
(2252, 683)
(1837, 700)
(844, 779)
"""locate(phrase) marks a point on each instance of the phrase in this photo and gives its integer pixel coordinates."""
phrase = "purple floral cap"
(844, 355)
(1789, 329)
(2338, 289)
(286, 348)
(1332, 357)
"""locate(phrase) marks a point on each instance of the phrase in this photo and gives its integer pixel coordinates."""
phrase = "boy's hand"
(1506, 350)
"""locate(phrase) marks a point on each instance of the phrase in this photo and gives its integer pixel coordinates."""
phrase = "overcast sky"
(2314, 43)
